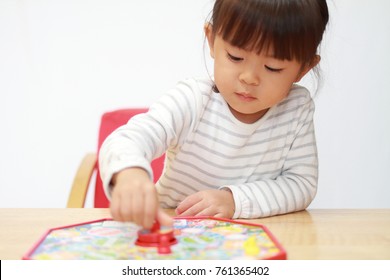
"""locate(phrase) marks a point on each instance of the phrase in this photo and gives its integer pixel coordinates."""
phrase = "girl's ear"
(306, 68)
(208, 30)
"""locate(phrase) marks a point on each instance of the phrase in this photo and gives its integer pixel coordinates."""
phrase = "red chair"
(109, 122)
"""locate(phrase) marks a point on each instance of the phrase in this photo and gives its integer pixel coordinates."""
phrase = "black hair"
(292, 29)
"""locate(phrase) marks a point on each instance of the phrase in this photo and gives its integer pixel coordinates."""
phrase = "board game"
(191, 238)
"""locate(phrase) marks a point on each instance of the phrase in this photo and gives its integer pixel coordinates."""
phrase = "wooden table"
(312, 234)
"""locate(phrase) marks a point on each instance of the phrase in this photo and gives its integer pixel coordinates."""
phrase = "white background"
(64, 63)
(113, 269)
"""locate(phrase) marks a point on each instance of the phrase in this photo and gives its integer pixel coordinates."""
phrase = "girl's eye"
(234, 58)
(276, 70)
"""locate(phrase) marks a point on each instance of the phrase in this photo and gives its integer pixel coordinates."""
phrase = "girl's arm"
(296, 186)
(147, 136)
(126, 154)
(292, 190)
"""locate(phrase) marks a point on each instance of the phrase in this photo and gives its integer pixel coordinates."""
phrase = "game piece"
(152, 238)
(190, 238)
(163, 246)
(155, 227)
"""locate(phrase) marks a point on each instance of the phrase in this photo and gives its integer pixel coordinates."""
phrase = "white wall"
(63, 63)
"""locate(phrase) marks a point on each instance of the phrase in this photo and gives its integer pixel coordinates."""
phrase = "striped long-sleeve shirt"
(270, 166)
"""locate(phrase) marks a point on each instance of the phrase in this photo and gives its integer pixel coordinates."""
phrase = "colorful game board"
(196, 238)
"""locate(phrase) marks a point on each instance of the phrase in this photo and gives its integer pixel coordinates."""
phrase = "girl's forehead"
(267, 53)
(266, 48)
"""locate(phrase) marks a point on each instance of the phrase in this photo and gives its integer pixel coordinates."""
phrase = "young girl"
(240, 145)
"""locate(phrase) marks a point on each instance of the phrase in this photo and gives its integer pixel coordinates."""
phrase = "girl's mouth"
(246, 97)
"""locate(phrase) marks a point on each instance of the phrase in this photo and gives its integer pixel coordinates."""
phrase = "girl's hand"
(217, 203)
(134, 199)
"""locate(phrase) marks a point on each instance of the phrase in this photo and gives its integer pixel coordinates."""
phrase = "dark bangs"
(287, 29)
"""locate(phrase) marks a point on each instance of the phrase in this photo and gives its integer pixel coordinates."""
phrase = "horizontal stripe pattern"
(271, 166)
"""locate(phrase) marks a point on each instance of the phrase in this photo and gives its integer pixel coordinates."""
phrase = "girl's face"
(251, 83)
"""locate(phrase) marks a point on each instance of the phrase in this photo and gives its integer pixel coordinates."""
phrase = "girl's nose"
(249, 77)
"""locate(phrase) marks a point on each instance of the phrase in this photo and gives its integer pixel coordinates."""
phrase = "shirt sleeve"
(295, 187)
(147, 136)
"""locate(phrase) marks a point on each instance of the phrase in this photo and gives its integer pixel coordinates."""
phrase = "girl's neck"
(248, 118)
